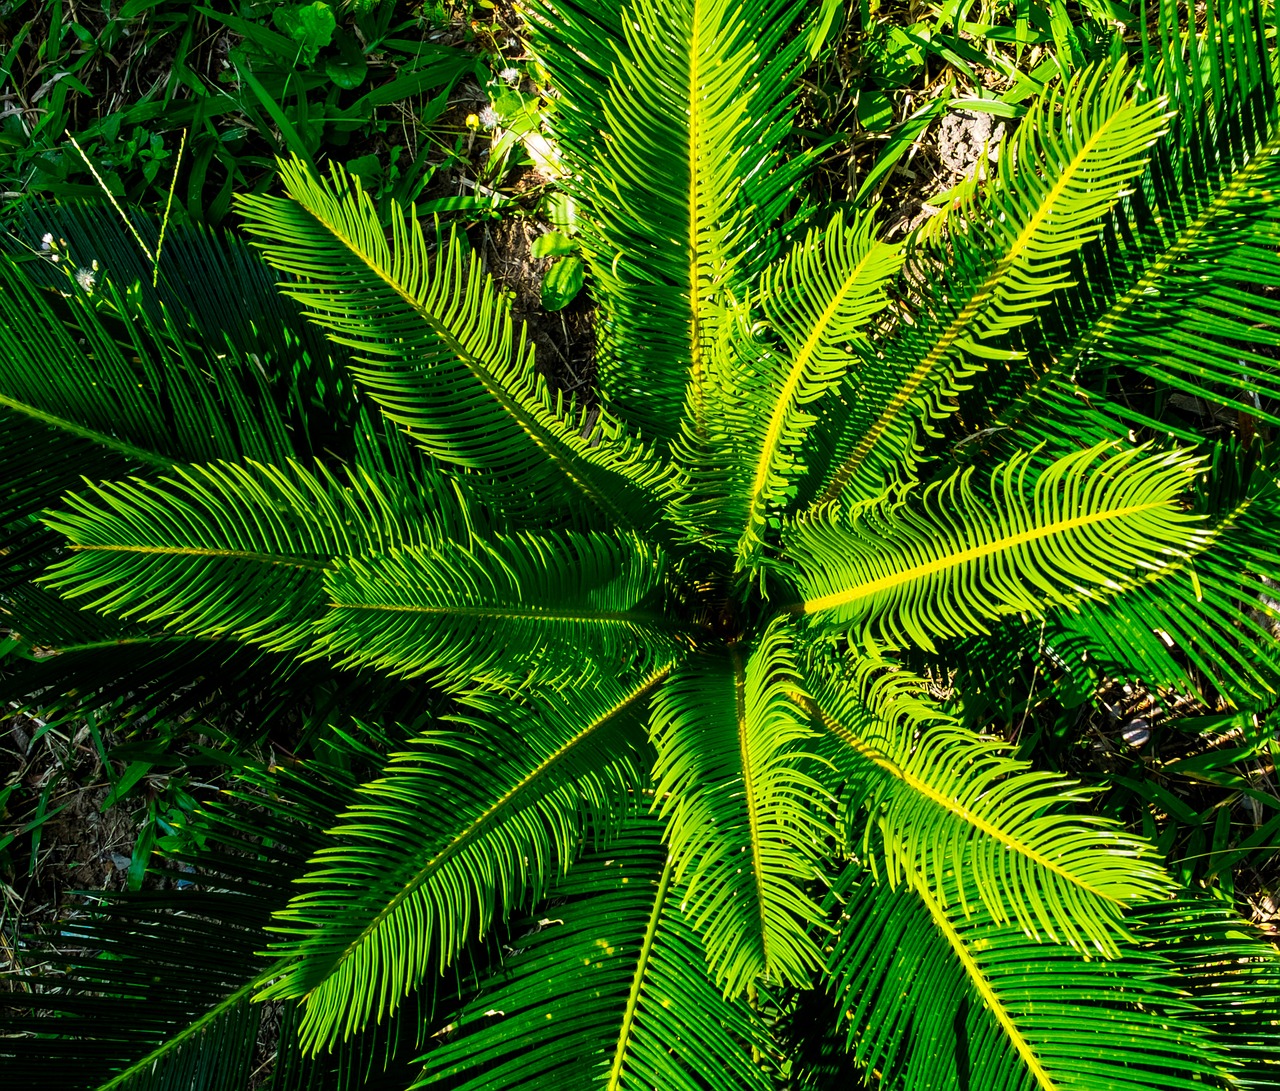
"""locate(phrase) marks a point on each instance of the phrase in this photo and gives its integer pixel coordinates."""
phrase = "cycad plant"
(647, 741)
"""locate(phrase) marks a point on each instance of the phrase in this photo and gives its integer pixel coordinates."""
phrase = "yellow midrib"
(637, 979)
(985, 990)
(487, 817)
(953, 560)
(1185, 241)
(880, 759)
(618, 617)
(695, 253)
(773, 433)
(953, 332)
(190, 1031)
(62, 424)
(199, 551)
(749, 791)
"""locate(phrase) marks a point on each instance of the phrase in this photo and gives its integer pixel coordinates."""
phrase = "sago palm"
(636, 764)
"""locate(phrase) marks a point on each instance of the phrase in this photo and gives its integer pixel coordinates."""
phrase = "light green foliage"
(618, 960)
(745, 815)
(311, 26)
(940, 801)
(657, 736)
(896, 574)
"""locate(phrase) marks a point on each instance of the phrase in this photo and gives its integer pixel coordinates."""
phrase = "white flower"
(509, 75)
(46, 241)
(489, 117)
(86, 278)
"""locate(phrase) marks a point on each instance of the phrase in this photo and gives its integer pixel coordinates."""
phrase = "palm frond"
(156, 986)
(238, 550)
(1232, 974)
(434, 344)
(742, 463)
(1073, 158)
(98, 369)
(745, 816)
(672, 116)
(988, 1007)
(130, 377)
(896, 574)
(456, 611)
(1183, 289)
(465, 824)
(606, 989)
(303, 372)
(1211, 629)
(941, 800)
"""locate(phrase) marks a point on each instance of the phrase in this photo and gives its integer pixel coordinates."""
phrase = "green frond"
(434, 344)
(246, 314)
(468, 822)
(161, 966)
(155, 987)
(456, 611)
(606, 989)
(742, 465)
(1074, 156)
(941, 800)
(746, 819)
(1208, 626)
(987, 1007)
(1232, 974)
(121, 387)
(1184, 293)
(672, 117)
(897, 574)
(239, 550)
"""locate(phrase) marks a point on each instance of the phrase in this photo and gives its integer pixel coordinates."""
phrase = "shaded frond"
(157, 988)
(457, 611)
(467, 822)
(899, 574)
(607, 989)
(1232, 974)
(433, 342)
(746, 819)
(97, 385)
(988, 1007)
(941, 800)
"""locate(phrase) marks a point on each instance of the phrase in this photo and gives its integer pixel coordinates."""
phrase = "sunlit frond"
(897, 573)
(238, 550)
(931, 798)
(610, 991)
(991, 1008)
(741, 462)
(673, 117)
(1074, 156)
(467, 822)
(456, 611)
(745, 816)
(434, 343)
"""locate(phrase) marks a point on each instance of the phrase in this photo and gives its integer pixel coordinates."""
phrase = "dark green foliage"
(630, 760)
(196, 99)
